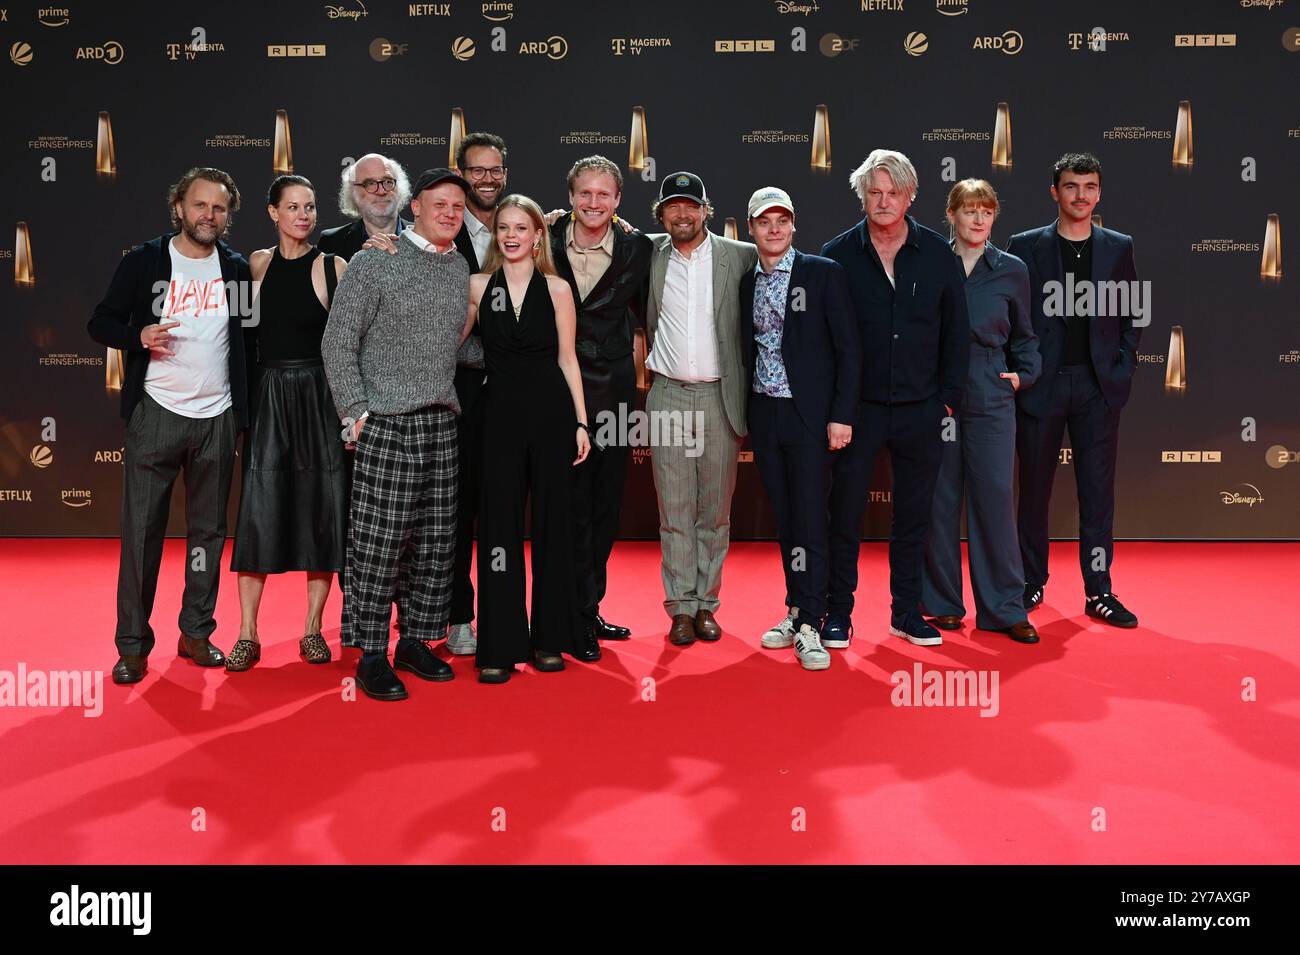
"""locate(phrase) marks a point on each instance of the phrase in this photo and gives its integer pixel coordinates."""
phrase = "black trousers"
(1077, 404)
(598, 484)
(913, 434)
(527, 461)
(795, 466)
(469, 440)
(160, 446)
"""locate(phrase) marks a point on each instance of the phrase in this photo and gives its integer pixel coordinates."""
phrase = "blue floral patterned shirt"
(770, 292)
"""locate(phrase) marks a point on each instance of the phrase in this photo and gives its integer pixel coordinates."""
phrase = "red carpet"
(1107, 745)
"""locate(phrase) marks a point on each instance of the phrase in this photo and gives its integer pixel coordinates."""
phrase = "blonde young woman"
(535, 431)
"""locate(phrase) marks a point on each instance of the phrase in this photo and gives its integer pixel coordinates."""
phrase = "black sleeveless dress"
(293, 508)
(529, 443)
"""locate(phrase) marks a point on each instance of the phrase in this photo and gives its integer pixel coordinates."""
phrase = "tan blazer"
(731, 260)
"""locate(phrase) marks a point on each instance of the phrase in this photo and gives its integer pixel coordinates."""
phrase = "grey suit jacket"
(731, 260)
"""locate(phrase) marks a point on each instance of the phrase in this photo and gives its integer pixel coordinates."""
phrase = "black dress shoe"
(587, 649)
(377, 679)
(416, 657)
(545, 662)
(200, 650)
(129, 669)
(495, 674)
(608, 631)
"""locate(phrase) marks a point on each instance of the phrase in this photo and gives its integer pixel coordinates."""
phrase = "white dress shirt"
(481, 237)
(421, 242)
(686, 341)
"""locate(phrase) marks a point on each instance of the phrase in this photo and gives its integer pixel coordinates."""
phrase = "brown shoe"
(706, 628)
(1022, 633)
(682, 632)
(947, 622)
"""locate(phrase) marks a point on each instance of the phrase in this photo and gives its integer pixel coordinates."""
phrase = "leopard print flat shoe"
(314, 649)
(243, 655)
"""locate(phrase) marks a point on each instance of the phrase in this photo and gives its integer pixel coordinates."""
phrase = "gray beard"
(386, 224)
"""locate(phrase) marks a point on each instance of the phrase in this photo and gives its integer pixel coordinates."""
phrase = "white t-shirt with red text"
(195, 381)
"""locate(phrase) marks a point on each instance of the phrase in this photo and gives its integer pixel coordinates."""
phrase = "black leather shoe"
(130, 669)
(377, 679)
(200, 650)
(495, 674)
(545, 662)
(415, 657)
(587, 649)
(608, 631)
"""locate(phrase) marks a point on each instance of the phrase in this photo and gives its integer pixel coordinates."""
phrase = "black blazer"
(346, 240)
(1112, 340)
(819, 345)
(608, 316)
(128, 307)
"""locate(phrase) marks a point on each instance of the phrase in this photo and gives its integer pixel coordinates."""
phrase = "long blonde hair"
(543, 261)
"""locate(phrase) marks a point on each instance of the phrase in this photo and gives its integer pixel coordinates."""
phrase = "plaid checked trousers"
(403, 515)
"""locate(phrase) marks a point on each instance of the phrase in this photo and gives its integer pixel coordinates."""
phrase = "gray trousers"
(160, 446)
(980, 463)
(694, 480)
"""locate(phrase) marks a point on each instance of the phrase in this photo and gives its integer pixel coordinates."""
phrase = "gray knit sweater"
(394, 327)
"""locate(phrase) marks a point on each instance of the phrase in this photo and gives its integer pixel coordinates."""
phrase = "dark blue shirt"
(997, 296)
(916, 332)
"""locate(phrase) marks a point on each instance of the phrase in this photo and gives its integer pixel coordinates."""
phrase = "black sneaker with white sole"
(1108, 609)
(913, 628)
(837, 632)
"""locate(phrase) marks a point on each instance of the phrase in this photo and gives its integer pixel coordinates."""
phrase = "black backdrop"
(729, 90)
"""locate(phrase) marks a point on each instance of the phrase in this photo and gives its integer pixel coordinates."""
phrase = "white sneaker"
(782, 635)
(809, 650)
(461, 640)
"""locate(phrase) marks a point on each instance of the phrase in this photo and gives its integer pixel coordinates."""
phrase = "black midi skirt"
(293, 510)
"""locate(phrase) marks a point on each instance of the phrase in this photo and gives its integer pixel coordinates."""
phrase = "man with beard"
(184, 398)
(373, 191)
(694, 349)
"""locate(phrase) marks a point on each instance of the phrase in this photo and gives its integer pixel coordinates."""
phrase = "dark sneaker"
(913, 628)
(1108, 609)
(837, 632)
(1033, 596)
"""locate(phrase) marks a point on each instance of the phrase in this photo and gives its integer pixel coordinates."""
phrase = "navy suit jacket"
(819, 344)
(1112, 340)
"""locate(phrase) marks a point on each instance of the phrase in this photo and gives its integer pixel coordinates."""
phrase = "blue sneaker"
(837, 631)
(913, 628)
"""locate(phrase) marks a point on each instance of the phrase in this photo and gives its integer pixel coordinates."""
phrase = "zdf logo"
(1279, 457)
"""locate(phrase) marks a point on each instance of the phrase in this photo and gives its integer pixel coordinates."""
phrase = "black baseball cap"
(683, 185)
(433, 177)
